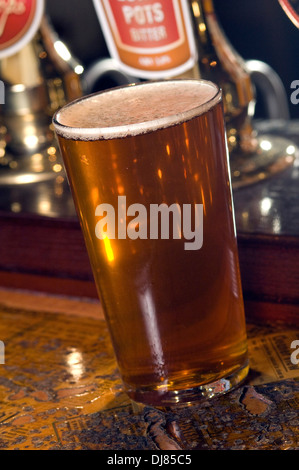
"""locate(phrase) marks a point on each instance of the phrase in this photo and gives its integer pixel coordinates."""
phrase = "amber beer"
(175, 315)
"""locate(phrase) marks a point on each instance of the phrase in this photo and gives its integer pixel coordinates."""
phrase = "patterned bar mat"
(60, 389)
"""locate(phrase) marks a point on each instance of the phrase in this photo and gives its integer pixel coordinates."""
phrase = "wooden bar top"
(60, 388)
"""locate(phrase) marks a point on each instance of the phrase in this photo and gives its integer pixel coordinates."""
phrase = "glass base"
(174, 398)
(273, 154)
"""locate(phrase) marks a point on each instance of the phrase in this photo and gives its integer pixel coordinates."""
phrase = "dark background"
(258, 29)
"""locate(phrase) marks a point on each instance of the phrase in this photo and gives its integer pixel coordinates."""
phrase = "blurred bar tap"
(38, 75)
(147, 42)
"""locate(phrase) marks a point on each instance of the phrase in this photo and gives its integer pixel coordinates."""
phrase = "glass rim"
(134, 129)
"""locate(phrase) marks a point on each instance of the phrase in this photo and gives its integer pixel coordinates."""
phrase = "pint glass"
(148, 169)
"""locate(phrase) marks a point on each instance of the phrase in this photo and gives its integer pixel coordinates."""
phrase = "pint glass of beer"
(148, 169)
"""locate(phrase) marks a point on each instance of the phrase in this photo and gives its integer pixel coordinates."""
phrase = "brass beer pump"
(253, 156)
(37, 80)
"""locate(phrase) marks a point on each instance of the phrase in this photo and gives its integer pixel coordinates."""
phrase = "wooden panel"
(49, 255)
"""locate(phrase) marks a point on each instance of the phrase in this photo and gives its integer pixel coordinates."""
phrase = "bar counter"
(59, 383)
(60, 389)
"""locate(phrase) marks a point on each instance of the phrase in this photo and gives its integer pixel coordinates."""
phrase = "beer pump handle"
(291, 8)
(105, 73)
(39, 75)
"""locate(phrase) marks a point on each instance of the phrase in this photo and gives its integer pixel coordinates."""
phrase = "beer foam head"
(135, 109)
